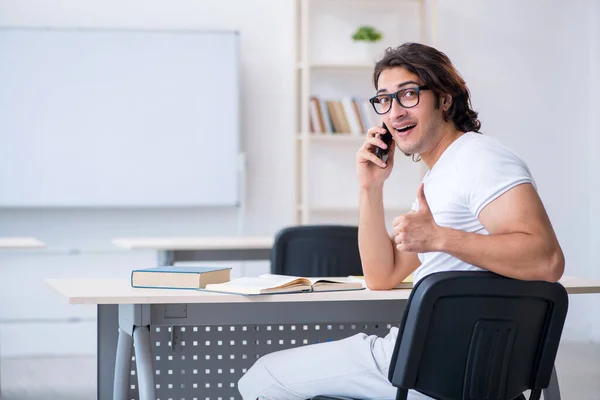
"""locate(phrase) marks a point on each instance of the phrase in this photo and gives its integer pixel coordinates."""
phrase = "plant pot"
(367, 52)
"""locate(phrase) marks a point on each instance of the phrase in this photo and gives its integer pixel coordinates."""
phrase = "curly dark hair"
(436, 71)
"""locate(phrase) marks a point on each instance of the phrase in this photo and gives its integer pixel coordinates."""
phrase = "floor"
(74, 378)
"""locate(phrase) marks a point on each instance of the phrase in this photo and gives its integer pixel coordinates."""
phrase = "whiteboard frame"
(240, 164)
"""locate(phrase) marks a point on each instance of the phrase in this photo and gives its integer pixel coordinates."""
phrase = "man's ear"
(445, 101)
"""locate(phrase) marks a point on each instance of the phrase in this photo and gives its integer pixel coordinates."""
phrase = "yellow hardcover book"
(339, 108)
(273, 284)
(337, 125)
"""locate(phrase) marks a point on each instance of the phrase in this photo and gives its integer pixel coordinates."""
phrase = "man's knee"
(253, 383)
(259, 383)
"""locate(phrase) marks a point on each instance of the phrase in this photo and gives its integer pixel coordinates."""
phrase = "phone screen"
(387, 139)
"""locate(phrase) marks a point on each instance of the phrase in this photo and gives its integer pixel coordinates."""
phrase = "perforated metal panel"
(205, 362)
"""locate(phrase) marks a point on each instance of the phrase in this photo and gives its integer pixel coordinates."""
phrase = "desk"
(197, 344)
(172, 250)
(18, 243)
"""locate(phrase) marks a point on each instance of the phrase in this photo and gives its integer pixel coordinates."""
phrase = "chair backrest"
(478, 336)
(316, 250)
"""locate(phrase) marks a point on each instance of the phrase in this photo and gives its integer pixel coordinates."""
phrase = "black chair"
(477, 336)
(316, 250)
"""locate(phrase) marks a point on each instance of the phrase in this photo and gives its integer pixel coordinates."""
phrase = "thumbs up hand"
(417, 231)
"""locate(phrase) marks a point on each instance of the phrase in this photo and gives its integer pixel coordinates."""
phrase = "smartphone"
(387, 139)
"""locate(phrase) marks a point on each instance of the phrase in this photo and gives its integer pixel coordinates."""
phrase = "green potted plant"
(367, 34)
(366, 38)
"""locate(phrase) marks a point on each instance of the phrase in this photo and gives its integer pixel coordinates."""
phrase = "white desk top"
(119, 291)
(196, 243)
(20, 243)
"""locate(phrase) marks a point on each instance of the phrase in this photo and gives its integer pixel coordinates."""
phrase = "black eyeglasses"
(407, 98)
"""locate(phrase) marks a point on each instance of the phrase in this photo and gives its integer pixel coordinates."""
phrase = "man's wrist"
(372, 188)
(445, 238)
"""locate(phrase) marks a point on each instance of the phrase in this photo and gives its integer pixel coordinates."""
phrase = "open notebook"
(271, 284)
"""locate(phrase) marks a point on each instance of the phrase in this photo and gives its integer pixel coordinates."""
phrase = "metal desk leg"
(143, 359)
(107, 341)
(0, 378)
(134, 326)
(553, 391)
(122, 366)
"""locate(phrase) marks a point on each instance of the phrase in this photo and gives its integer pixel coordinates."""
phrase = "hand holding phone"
(374, 164)
(387, 139)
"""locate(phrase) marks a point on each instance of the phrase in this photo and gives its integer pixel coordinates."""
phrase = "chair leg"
(534, 395)
(401, 394)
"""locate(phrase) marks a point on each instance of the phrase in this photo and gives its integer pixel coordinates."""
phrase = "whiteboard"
(103, 118)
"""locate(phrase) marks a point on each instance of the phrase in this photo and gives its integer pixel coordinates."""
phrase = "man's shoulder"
(474, 141)
(478, 148)
(486, 165)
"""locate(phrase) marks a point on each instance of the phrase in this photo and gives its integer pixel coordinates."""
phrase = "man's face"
(423, 120)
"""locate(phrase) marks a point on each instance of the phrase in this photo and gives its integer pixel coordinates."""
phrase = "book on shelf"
(171, 277)
(277, 284)
(347, 115)
(407, 283)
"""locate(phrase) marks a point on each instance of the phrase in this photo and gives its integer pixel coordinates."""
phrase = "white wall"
(538, 51)
(593, 152)
(527, 65)
(267, 57)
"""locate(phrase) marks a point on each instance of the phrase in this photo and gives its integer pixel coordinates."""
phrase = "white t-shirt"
(472, 172)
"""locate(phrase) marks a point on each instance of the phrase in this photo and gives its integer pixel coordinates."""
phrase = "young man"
(477, 208)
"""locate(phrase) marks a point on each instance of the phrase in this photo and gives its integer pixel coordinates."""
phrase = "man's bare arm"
(405, 263)
(521, 242)
(383, 265)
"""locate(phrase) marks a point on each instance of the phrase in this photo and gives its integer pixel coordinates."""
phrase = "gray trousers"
(354, 367)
